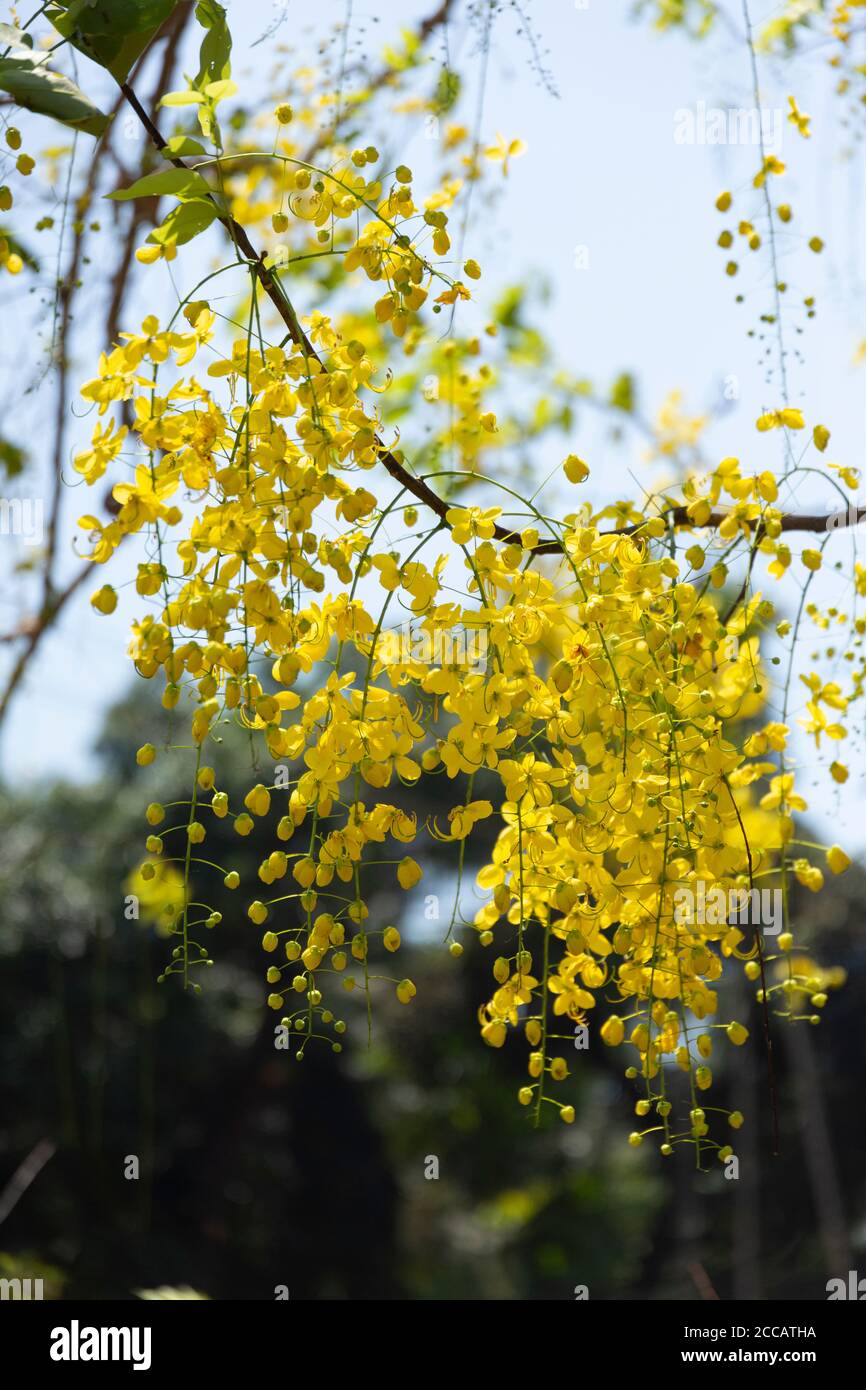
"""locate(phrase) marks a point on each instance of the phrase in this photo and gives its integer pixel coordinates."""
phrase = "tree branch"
(273, 288)
(32, 629)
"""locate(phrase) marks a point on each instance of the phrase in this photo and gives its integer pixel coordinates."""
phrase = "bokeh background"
(258, 1171)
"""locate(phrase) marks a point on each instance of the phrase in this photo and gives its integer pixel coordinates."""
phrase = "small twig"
(25, 1174)
(33, 628)
(36, 628)
(702, 1281)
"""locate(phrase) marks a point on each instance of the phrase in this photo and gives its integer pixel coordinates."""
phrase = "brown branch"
(273, 288)
(702, 1281)
(66, 289)
(33, 628)
(25, 1174)
(789, 521)
(120, 275)
(434, 20)
(171, 31)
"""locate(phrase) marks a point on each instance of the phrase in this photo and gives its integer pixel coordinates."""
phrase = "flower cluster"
(617, 729)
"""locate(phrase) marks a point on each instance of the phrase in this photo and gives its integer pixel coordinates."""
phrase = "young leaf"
(183, 183)
(183, 223)
(216, 46)
(218, 91)
(179, 146)
(182, 99)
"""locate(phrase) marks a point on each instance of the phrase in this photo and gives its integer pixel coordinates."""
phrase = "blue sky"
(604, 172)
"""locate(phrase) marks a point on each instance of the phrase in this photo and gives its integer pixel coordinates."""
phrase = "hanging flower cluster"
(605, 707)
(584, 681)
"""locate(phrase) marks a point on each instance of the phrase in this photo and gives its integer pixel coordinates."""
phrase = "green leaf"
(10, 37)
(622, 393)
(183, 183)
(19, 248)
(187, 98)
(12, 458)
(216, 46)
(33, 85)
(114, 33)
(218, 91)
(183, 223)
(179, 146)
(447, 90)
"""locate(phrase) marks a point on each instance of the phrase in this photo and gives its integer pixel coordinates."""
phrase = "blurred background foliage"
(257, 1170)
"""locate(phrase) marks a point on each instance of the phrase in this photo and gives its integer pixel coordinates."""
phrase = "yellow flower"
(837, 860)
(821, 436)
(798, 119)
(406, 991)
(409, 873)
(104, 600)
(467, 523)
(505, 150)
(587, 667)
(774, 419)
(612, 1031)
(576, 471)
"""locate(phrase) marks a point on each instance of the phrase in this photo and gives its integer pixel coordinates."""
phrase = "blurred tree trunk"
(746, 1282)
(818, 1151)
